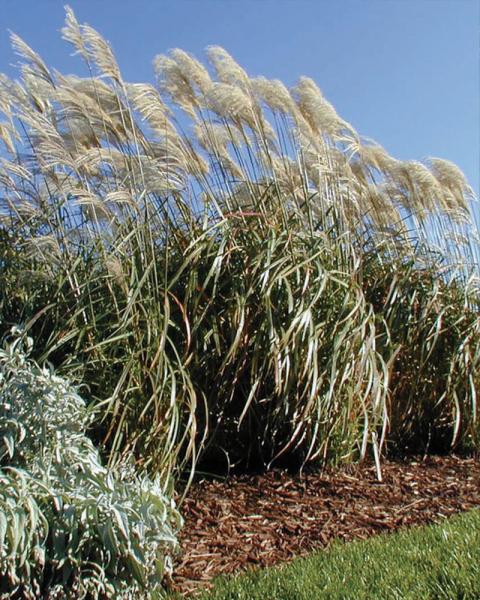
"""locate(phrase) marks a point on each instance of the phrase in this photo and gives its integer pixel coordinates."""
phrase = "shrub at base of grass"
(69, 527)
(440, 561)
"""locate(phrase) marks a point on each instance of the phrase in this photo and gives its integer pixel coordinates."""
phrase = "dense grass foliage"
(231, 270)
(438, 562)
(431, 329)
(70, 528)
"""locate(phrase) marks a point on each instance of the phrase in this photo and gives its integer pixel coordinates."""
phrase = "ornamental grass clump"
(69, 527)
(285, 317)
(236, 275)
(431, 325)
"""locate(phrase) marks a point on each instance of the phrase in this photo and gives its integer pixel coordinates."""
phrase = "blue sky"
(403, 72)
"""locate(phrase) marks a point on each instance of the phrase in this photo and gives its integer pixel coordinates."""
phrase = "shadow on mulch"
(266, 519)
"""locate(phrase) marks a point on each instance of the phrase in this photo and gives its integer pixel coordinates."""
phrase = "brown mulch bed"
(267, 519)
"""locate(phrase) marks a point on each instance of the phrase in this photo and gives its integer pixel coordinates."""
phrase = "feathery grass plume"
(35, 64)
(146, 99)
(192, 70)
(451, 177)
(100, 104)
(234, 83)
(230, 102)
(426, 187)
(7, 135)
(173, 82)
(318, 112)
(275, 94)
(5, 96)
(13, 97)
(277, 98)
(101, 53)
(167, 145)
(215, 139)
(72, 33)
(376, 157)
(93, 48)
(227, 70)
(382, 211)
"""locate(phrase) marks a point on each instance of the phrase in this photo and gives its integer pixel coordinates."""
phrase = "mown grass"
(434, 562)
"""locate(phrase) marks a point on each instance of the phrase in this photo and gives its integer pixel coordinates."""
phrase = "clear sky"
(403, 72)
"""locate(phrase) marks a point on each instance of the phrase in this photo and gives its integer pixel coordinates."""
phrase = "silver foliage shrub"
(69, 527)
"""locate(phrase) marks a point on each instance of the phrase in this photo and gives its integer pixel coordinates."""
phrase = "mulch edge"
(263, 520)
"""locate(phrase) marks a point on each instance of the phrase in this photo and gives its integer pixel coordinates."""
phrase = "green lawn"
(440, 561)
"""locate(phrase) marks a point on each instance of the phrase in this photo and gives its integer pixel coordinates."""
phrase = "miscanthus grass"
(234, 273)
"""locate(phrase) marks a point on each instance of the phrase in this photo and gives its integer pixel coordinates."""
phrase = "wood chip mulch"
(267, 519)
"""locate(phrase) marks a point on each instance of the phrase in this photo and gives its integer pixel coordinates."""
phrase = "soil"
(262, 520)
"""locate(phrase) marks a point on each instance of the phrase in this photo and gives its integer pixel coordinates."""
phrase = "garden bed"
(266, 519)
